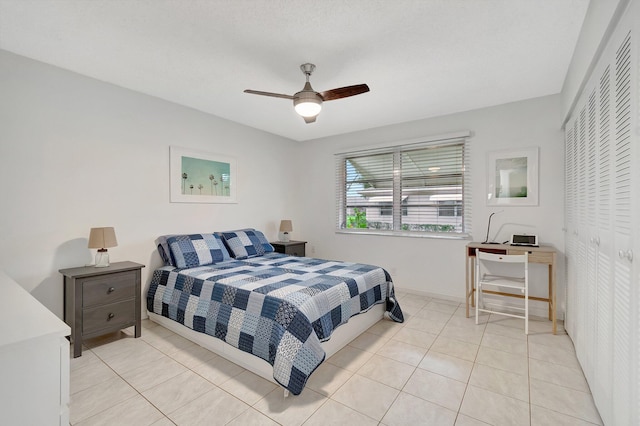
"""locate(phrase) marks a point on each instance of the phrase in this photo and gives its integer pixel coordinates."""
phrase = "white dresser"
(34, 360)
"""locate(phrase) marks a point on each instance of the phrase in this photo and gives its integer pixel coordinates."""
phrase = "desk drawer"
(109, 288)
(534, 256)
(113, 316)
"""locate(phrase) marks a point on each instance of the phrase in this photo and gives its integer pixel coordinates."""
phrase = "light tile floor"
(438, 368)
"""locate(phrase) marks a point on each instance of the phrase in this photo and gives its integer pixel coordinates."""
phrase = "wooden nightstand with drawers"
(101, 300)
(292, 248)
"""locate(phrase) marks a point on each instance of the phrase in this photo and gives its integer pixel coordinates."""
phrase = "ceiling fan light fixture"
(308, 108)
(307, 104)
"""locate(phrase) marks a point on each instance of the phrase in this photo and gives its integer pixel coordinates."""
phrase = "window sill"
(441, 235)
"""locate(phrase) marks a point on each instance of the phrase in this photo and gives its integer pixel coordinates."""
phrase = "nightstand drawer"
(291, 248)
(107, 289)
(295, 250)
(113, 316)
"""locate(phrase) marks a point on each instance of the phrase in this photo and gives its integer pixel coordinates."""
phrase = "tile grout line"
(437, 335)
(412, 373)
(470, 374)
(124, 380)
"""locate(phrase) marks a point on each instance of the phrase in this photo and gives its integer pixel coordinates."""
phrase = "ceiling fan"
(308, 102)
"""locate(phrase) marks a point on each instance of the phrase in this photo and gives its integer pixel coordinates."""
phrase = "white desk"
(543, 254)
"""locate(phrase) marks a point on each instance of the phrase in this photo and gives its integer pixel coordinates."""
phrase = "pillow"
(188, 251)
(163, 249)
(246, 244)
(226, 244)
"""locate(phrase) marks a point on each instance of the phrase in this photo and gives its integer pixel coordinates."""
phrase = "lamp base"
(285, 237)
(102, 258)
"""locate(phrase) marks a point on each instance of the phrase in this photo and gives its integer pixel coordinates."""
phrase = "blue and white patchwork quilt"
(276, 307)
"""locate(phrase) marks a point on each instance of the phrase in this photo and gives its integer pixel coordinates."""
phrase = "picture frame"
(512, 177)
(201, 177)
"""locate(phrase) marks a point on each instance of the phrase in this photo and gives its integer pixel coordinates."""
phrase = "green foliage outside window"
(358, 219)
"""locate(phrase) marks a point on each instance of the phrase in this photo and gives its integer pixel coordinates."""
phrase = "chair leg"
(526, 310)
(478, 290)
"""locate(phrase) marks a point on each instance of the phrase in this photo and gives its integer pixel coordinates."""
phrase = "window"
(388, 211)
(413, 189)
(449, 208)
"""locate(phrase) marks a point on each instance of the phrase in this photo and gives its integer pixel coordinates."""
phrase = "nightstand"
(101, 300)
(292, 248)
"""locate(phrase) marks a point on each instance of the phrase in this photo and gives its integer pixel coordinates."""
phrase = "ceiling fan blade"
(310, 119)
(273, 95)
(344, 92)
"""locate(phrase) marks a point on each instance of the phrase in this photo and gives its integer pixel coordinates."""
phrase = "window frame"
(398, 203)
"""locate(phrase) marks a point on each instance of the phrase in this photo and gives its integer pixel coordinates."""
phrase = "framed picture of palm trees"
(201, 177)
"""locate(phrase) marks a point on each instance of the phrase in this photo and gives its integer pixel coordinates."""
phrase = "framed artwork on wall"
(201, 177)
(512, 177)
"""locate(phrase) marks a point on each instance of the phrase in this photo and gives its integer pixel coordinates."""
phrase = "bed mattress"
(276, 307)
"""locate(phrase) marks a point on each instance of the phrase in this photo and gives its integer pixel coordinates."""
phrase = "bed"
(231, 293)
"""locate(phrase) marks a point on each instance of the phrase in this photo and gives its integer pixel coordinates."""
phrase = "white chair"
(485, 262)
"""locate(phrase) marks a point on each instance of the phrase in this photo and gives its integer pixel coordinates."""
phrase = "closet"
(602, 223)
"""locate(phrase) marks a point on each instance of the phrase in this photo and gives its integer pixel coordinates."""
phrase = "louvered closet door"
(570, 208)
(580, 233)
(602, 382)
(572, 237)
(624, 303)
(591, 266)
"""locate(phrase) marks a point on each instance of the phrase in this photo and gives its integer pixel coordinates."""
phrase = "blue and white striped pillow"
(188, 251)
(246, 244)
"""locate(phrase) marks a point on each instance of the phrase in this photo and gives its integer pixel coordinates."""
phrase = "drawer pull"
(111, 290)
(111, 315)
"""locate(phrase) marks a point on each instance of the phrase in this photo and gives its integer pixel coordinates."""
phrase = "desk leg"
(469, 284)
(472, 283)
(552, 295)
(466, 283)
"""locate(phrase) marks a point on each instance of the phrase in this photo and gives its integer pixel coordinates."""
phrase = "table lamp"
(285, 227)
(101, 239)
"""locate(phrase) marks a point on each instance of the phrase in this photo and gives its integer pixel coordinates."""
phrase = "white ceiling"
(421, 58)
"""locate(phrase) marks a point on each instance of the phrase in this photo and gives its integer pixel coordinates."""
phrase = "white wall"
(596, 26)
(436, 266)
(77, 153)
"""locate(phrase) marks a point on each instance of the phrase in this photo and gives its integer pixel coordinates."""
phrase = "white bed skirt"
(340, 337)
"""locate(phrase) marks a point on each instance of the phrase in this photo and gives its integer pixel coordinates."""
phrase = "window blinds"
(413, 188)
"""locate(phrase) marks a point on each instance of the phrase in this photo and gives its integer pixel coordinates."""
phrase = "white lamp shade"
(286, 226)
(100, 238)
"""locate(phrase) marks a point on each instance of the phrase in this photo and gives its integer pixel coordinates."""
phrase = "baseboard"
(429, 294)
(536, 308)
